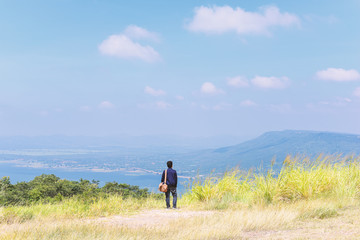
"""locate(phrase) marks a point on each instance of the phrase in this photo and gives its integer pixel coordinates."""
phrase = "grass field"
(307, 200)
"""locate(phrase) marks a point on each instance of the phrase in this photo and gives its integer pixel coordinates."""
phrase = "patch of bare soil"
(344, 226)
(150, 217)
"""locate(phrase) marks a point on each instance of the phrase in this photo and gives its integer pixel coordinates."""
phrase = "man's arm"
(163, 177)
(175, 179)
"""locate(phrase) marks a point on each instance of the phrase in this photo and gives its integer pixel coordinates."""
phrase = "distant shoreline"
(37, 165)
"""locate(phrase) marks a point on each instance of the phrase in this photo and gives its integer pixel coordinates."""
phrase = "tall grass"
(77, 208)
(333, 177)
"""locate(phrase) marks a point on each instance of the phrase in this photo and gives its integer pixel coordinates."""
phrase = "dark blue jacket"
(171, 178)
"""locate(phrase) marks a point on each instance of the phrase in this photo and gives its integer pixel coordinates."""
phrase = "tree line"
(50, 188)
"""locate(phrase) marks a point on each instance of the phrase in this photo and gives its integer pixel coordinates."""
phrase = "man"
(171, 181)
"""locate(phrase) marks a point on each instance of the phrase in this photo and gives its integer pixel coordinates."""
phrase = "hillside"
(261, 150)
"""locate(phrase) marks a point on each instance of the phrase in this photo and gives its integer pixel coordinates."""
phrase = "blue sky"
(194, 68)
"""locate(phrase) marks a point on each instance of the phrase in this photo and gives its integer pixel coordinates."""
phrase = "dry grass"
(74, 209)
(218, 225)
(275, 222)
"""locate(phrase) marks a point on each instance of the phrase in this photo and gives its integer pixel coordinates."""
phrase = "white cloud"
(248, 103)
(221, 106)
(180, 98)
(329, 104)
(204, 107)
(153, 92)
(270, 82)
(163, 105)
(44, 113)
(135, 32)
(209, 88)
(356, 92)
(238, 82)
(217, 20)
(348, 100)
(123, 46)
(85, 108)
(338, 75)
(340, 101)
(155, 105)
(324, 103)
(106, 105)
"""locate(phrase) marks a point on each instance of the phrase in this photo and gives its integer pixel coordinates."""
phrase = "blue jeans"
(167, 196)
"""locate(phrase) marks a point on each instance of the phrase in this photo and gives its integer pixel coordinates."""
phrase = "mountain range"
(274, 145)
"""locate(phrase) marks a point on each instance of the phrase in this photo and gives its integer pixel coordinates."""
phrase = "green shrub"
(52, 189)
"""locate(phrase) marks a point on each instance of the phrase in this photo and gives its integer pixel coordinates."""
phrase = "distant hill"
(261, 150)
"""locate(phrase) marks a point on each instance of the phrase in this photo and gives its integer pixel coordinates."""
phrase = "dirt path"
(344, 226)
(237, 224)
(150, 217)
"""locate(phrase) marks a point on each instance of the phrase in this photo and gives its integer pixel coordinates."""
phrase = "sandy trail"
(344, 226)
(150, 217)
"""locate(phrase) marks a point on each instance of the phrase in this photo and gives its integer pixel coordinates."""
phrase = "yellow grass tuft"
(331, 177)
(75, 208)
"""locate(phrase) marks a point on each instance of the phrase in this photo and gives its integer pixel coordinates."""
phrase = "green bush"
(51, 189)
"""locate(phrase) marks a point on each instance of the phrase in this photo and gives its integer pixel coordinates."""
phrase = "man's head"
(169, 164)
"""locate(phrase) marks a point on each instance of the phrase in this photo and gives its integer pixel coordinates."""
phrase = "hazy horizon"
(159, 143)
